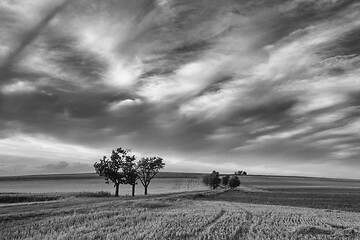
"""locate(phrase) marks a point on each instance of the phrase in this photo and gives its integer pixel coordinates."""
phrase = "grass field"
(263, 207)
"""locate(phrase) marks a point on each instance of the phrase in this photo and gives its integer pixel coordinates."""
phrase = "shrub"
(212, 180)
(225, 180)
(234, 182)
(26, 197)
(40, 197)
(91, 194)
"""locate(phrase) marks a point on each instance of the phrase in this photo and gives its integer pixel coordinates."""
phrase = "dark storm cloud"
(252, 83)
(27, 37)
(347, 44)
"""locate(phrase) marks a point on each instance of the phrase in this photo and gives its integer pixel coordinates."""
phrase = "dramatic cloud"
(266, 86)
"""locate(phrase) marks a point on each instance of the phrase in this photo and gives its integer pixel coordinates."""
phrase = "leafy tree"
(212, 180)
(110, 169)
(234, 182)
(127, 165)
(225, 180)
(147, 168)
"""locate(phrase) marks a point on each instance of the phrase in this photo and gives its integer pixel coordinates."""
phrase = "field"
(170, 218)
(262, 208)
(64, 183)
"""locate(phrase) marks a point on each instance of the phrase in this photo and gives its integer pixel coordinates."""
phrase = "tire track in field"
(216, 219)
(243, 230)
(206, 229)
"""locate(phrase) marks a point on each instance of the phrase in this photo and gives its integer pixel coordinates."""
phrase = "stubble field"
(262, 208)
(178, 219)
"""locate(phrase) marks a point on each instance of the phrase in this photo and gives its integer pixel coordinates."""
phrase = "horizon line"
(259, 175)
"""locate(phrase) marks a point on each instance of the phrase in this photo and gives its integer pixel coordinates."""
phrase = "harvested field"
(170, 218)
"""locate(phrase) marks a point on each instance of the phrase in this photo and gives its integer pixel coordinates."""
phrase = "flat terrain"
(263, 207)
(62, 183)
(77, 176)
(335, 194)
(173, 217)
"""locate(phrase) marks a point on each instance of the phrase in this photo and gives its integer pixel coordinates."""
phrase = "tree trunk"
(117, 190)
(133, 190)
(145, 187)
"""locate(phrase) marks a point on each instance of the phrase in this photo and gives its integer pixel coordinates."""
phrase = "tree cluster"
(240, 173)
(231, 182)
(122, 168)
(213, 180)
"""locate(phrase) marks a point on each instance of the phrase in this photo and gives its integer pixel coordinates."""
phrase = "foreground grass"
(171, 217)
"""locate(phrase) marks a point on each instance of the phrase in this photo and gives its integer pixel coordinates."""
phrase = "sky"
(265, 86)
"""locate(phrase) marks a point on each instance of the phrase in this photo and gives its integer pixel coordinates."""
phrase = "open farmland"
(325, 193)
(175, 218)
(338, 194)
(263, 207)
(165, 182)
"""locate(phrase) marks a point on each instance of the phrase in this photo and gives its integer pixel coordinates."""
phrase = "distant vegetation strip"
(41, 197)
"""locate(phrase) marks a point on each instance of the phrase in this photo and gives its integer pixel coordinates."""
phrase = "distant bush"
(234, 182)
(212, 180)
(41, 197)
(18, 198)
(91, 194)
(225, 180)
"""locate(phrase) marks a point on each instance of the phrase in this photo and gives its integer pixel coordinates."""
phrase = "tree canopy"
(110, 169)
(234, 182)
(147, 168)
(122, 168)
(225, 180)
(127, 165)
(212, 180)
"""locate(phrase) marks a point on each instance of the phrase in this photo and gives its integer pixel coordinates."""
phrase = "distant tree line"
(240, 173)
(213, 180)
(122, 168)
